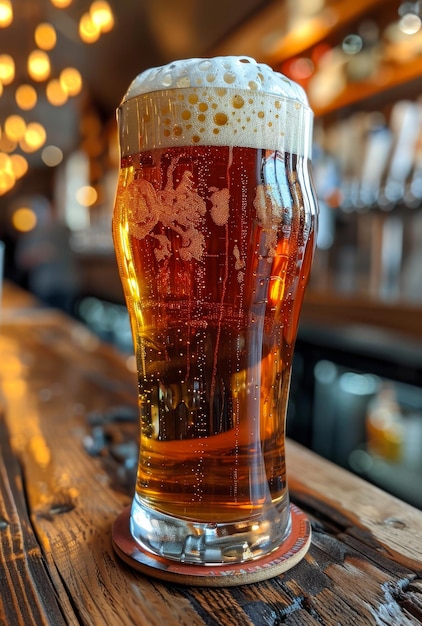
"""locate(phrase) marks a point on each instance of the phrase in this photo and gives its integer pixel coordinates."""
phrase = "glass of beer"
(214, 229)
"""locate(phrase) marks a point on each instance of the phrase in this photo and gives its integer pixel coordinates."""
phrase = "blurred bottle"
(384, 425)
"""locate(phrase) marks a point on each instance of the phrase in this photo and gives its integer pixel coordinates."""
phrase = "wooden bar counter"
(67, 431)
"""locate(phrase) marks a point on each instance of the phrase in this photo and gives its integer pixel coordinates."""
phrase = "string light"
(34, 137)
(61, 4)
(5, 163)
(19, 165)
(101, 15)
(71, 81)
(7, 144)
(7, 69)
(38, 65)
(15, 127)
(7, 178)
(45, 36)
(55, 93)
(6, 13)
(89, 32)
(26, 97)
(24, 219)
(30, 137)
(7, 181)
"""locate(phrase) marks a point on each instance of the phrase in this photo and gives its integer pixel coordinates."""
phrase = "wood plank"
(67, 491)
(13, 297)
(363, 567)
(27, 594)
(361, 509)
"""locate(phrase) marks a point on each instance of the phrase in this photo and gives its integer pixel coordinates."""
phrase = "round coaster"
(292, 550)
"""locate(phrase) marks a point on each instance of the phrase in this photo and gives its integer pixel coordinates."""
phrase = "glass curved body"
(214, 246)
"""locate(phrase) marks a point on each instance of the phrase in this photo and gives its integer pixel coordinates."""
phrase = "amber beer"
(214, 231)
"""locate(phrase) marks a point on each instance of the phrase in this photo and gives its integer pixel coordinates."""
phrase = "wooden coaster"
(292, 550)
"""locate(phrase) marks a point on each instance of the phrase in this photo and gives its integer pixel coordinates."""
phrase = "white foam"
(218, 101)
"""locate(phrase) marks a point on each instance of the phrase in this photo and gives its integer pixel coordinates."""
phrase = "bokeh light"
(7, 144)
(352, 44)
(19, 165)
(15, 127)
(6, 13)
(61, 4)
(101, 15)
(52, 156)
(45, 36)
(39, 65)
(86, 196)
(7, 177)
(26, 97)
(89, 32)
(55, 93)
(71, 81)
(24, 219)
(410, 24)
(7, 181)
(34, 137)
(7, 69)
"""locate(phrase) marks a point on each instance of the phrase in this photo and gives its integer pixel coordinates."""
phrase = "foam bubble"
(218, 101)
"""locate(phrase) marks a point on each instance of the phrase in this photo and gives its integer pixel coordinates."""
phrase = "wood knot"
(61, 507)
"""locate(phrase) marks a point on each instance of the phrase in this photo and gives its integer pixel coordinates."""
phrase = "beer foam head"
(231, 101)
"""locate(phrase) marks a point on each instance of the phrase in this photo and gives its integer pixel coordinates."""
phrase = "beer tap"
(405, 122)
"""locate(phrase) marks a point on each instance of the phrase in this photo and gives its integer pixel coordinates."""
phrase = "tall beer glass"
(214, 230)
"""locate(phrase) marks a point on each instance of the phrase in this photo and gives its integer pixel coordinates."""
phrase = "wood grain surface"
(68, 434)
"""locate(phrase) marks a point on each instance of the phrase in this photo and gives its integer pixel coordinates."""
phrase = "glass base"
(283, 558)
(205, 543)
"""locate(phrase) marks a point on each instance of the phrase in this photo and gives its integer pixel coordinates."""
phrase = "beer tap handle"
(377, 153)
(346, 142)
(413, 194)
(405, 122)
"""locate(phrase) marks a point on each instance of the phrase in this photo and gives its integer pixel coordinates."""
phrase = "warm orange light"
(101, 15)
(7, 177)
(56, 95)
(7, 69)
(19, 165)
(34, 137)
(6, 13)
(39, 65)
(45, 36)
(88, 31)
(71, 81)
(7, 182)
(5, 162)
(7, 144)
(61, 4)
(26, 97)
(15, 127)
(86, 195)
(24, 219)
